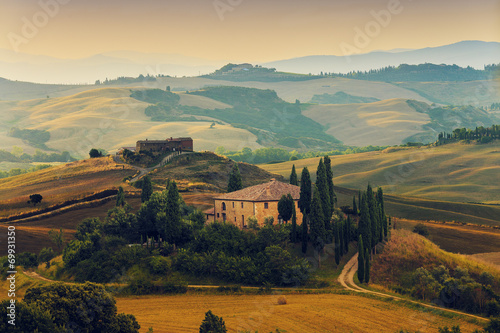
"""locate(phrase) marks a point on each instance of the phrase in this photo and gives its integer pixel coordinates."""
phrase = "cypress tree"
(383, 219)
(329, 179)
(305, 192)
(234, 183)
(361, 262)
(293, 177)
(338, 247)
(294, 225)
(304, 234)
(354, 206)
(147, 189)
(367, 266)
(317, 224)
(374, 224)
(324, 194)
(347, 234)
(120, 197)
(172, 215)
(359, 200)
(364, 225)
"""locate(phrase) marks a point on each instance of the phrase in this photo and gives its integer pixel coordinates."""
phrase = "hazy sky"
(240, 30)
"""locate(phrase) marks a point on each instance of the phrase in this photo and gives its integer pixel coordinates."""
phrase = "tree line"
(481, 134)
(271, 154)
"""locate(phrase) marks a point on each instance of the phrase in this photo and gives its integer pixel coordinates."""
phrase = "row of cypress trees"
(372, 228)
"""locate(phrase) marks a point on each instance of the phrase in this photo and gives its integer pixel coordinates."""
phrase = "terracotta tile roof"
(271, 191)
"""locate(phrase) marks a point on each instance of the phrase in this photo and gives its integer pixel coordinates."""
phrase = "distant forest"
(424, 73)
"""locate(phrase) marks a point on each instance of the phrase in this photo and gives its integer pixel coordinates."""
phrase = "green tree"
(46, 255)
(324, 194)
(212, 324)
(367, 266)
(29, 318)
(317, 224)
(147, 189)
(94, 153)
(364, 225)
(337, 244)
(35, 199)
(82, 308)
(305, 237)
(305, 204)
(374, 221)
(361, 261)
(329, 179)
(57, 238)
(234, 183)
(293, 177)
(294, 225)
(172, 227)
(120, 197)
(354, 206)
(347, 234)
(285, 207)
(383, 217)
(305, 192)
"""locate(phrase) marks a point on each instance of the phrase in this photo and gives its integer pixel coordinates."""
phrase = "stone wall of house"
(238, 212)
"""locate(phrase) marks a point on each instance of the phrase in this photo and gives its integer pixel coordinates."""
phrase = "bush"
(27, 260)
(421, 229)
(46, 255)
(212, 324)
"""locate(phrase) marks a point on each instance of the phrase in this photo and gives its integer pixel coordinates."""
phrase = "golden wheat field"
(302, 313)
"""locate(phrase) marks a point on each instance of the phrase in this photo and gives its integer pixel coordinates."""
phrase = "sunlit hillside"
(455, 172)
(379, 123)
(108, 118)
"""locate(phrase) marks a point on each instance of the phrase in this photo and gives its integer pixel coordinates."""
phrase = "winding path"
(346, 279)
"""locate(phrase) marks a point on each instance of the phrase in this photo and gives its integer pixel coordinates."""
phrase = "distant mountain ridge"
(475, 54)
(45, 69)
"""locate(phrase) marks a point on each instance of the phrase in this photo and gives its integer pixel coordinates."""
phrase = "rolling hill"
(379, 123)
(97, 118)
(438, 183)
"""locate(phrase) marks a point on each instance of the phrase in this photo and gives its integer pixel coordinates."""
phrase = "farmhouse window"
(233, 204)
(223, 206)
(242, 205)
(266, 205)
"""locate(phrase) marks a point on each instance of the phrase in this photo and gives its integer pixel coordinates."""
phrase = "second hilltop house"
(170, 144)
(260, 201)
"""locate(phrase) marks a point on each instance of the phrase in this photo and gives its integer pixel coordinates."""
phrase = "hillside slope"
(109, 118)
(381, 123)
(454, 172)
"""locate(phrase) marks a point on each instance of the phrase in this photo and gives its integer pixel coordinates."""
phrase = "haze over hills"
(467, 53)
(44, 69)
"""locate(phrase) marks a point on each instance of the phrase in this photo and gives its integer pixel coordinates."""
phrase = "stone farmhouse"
(260, 201)
(171, 144)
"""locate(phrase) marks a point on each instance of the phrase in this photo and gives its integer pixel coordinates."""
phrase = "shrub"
(212, 324)
(421, 229)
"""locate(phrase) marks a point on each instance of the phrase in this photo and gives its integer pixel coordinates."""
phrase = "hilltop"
(208, 172)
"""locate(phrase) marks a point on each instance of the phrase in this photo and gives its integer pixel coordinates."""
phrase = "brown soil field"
(302, 313)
